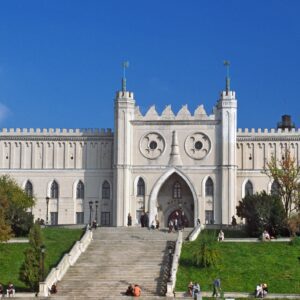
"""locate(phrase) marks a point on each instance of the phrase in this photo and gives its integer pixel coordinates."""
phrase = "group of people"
(133, 290)
(10, 291)
(178, 222)
(261, 290)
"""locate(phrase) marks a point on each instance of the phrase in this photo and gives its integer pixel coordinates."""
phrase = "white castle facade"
(197, 163)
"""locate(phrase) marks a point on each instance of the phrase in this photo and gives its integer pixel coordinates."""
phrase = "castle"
(196, 164)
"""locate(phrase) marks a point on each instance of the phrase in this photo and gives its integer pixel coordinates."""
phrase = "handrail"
(175, 263)
(69, 259)
(194, 234)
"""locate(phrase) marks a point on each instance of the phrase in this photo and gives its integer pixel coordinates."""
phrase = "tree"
(14, 204)
(262, 212)
(286, 174)
(31, 269)
(5, 229)
(294, 224)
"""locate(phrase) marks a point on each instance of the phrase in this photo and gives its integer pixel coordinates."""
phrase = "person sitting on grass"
(1, 290)
(264, 289)
(196, 290)
(10, 292)
(266, 236)
(129, 291)
(221, 236)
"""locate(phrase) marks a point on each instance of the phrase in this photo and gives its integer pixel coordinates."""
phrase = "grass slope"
(243, 265)
(57, 241)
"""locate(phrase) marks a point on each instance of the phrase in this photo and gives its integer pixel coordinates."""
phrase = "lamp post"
(96, 214)
(91, 206)
(43, 250)
(47, 209)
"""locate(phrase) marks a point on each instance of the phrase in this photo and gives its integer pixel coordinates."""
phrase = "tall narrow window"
(54, 190)
(29, 189)
(248, 188)
(209, 187)
(105, 190)
(141, 187)
(176, 190)
(80, 190)
(275, 188)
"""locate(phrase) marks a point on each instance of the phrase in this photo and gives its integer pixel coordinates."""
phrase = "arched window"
(275, 188)
(105, 190)
(176, 190)
(80, 190)
(248, 188)
(29, 189)
(54, 190)
(209, 187)
(141, 187)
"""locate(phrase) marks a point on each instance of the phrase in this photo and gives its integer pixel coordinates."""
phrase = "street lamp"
(43, 250)
(47, 211)
(91, 206)
(96, 214)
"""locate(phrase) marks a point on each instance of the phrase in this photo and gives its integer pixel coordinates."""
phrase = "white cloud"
(4, 111)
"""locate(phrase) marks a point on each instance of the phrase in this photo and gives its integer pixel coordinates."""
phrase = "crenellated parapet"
(56, 132)
(168, 114)
(272, 134)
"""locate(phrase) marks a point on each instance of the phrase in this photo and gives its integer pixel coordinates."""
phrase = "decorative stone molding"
(152, 145)
(197, 145)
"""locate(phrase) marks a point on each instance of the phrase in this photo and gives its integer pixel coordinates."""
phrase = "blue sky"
(61, 60)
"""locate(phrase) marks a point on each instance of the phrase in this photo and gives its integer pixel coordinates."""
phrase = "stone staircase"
(116, 258)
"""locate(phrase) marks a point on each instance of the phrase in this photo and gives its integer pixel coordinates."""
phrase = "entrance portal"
(175, 199)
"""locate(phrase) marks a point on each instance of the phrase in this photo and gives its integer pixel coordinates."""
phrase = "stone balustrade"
(69, 259)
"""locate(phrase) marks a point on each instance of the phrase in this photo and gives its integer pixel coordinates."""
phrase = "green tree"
(286, 174)
(262, 212)
(5, 229)
(30, 272)
(207, 254)
(15, 204)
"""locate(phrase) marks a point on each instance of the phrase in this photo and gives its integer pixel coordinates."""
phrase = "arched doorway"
(173, 199)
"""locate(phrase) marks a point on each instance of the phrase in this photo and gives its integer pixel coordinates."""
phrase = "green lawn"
(243, 265)
(57, 241)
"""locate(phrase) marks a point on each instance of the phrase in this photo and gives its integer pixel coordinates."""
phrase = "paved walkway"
(254, 240)
(16, 241)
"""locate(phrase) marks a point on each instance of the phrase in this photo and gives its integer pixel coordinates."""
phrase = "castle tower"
(123, 113)
(227, 114)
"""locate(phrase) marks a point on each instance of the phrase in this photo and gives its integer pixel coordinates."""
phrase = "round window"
(198, 145)
(153, 145)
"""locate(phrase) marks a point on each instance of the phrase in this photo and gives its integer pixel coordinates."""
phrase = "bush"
(207, 254)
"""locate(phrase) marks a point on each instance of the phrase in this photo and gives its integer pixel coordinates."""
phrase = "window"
(209, 217)
(209, 187)
(54, 190)
(79, 218)
(275, 188)
(29, 189)
(248, 188)
(54, 218)
(141, 187)
(80, 190)
(105, 190)
(177, 190)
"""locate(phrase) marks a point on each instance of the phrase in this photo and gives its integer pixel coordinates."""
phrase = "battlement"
(125, 94)
(260, 131)
(227, 95)
(168, 114)
(56, 131)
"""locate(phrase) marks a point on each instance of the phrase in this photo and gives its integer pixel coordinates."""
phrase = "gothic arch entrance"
(175, 197)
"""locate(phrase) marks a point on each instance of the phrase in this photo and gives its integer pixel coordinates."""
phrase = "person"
(198, 222)
(137, 291)
(264, 289)
(196, 290)
(147, 219)
(176, 224)
(129, 220)
(94, 224)
(259, 291)
(216, 287)
(190, 288)
(129, 291)
(157, 224)
(53, 289)
(10, 292)
(233, 221)
(142, 219)
(266, 236)
(221, 236)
